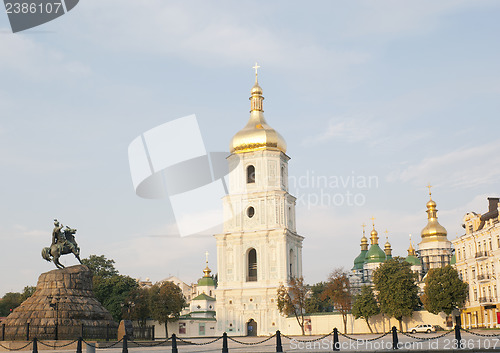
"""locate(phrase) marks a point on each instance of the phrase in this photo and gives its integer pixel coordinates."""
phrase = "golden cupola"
(257, 134)
(433, 231)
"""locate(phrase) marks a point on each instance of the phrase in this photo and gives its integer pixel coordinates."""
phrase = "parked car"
(422, 328)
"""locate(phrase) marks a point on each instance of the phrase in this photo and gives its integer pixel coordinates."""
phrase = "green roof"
(413, 260)
(203, 296)
(453, 260)
(360, 260)
(206, 281)
(375, 254)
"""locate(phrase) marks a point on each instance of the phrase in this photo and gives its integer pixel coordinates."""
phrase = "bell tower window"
(250, 174)
(252, 266)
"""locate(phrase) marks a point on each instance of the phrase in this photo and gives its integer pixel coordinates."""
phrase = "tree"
(9, 302)
(100, 266)
(139, 298)
(28, 291)
(166, 303)
(338, 292)
(291, 300)
(365, 305)
(113, 292)
(397, 290)
(444, 291)
(314, 302)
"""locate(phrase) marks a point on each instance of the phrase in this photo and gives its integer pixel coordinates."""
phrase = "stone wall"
(62, 296)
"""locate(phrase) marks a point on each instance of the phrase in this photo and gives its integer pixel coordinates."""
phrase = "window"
(252, 266)
(250, 174)
(250, 212)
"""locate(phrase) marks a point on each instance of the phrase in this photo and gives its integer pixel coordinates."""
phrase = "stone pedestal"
(63, 304)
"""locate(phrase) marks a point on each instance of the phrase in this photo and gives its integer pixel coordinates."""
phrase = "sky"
(400, 94)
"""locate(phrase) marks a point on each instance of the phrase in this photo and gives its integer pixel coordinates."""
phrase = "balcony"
(483, 277)
(487, 300)
(481, 255)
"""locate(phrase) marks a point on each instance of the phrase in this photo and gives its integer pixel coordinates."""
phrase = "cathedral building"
(259, 248)
(434, 251)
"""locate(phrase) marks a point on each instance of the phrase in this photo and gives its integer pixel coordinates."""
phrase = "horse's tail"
(46, 254)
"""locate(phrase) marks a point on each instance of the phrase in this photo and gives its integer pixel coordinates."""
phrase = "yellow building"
(477, 255)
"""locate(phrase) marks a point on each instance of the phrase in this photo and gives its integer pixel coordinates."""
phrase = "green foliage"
(113, 291)
(9, 302)
(444, 290)
(338, 293)
(138, 298)
(397, 289)
(166, 303)
(291, 300)
(314, 302)
(28, 291)
(100, 266)
(365, 305)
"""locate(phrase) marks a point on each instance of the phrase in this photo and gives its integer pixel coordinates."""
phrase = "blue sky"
(406, 92)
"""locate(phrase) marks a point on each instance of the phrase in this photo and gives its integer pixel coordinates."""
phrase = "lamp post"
(129, 305)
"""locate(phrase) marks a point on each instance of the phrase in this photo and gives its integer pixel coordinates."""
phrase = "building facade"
(478, 263)
(259, 248)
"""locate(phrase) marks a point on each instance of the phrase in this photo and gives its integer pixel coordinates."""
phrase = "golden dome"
(387, 245)
(433, 231)
(257, 134)
(374, 236)
(364, 243)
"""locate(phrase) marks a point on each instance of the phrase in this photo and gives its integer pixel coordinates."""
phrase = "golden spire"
(364, 241)
(387, 246)
(256, 92)
(207, 270)
(433, 230)
(374, 234)
(257, 134)
(411, 250)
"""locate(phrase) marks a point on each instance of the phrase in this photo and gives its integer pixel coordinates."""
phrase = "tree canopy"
(397, 289)
(365, 305)
(444, 291)
(338, 293)
(12, 300)
(166, 303)
(291, 300)
(100, 266)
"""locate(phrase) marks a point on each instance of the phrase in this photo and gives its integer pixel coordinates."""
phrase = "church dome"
(375, 254)
(257, 134)
(413, 260)
(360, 259)
(433, 231)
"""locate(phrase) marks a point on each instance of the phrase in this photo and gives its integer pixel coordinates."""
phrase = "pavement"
(482, 341)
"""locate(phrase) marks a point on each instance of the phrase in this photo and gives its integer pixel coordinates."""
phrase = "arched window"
(292, 263)
(252, 266)
(250, 174)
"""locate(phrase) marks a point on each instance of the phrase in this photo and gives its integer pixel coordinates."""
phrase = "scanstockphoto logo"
(28, 14)
(171, 162)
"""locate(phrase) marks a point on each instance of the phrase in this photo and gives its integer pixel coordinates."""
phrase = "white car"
(422, 328)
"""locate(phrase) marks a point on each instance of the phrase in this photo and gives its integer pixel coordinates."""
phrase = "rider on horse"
(59, 237)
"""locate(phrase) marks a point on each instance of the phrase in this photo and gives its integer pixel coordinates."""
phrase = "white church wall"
(324, 323)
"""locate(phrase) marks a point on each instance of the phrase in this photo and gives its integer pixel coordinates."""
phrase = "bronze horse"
(66, 244)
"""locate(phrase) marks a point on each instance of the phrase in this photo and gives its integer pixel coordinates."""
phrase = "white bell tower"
(259, 248)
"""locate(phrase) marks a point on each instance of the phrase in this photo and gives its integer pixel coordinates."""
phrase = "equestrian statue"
(63, 242)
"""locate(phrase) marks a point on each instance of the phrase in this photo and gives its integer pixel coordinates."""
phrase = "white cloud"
(461, 168)
(347, 128)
